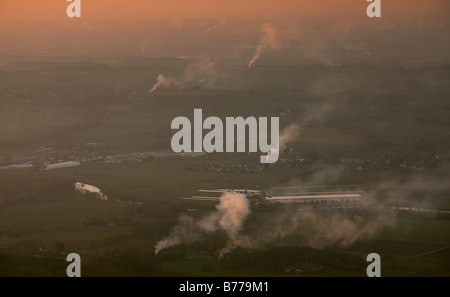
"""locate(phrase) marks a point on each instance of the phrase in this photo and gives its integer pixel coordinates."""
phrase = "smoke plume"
(330, 224)
(289, 134)
(162, 81)
(202, 71)
(344, 224)
(228, 218)
(319, 228)
(270, 40)
(315, 113)
(217, 26)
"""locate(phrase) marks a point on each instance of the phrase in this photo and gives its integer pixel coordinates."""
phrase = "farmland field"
(364, 136)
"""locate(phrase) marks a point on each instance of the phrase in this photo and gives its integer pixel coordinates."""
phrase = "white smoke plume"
(162, 81)
(217, 26)
(203, 70)
(289, 134)
(314, 45)
(343, 225)
(317, 227)
(270, 40)
(229, 218)
(315, 113)
(320, 229)
(327, 225)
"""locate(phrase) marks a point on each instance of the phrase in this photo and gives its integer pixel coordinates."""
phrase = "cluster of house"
(229, 167)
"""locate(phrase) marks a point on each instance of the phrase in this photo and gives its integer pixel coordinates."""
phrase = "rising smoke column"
(202, 69)
(217, 26)
(229, 218)
(270, 40)
(162, 81)
(289, 134)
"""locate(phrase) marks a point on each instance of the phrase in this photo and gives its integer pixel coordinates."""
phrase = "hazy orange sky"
(51, 10)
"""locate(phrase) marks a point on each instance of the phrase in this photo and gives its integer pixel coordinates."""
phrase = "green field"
(41, 214)
(82, 110)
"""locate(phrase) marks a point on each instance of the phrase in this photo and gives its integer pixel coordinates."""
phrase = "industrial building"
(62, 165)
(17, 166)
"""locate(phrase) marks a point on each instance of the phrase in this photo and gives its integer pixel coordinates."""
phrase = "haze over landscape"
(86, 163)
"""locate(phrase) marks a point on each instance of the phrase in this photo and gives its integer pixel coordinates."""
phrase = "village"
(48, 158)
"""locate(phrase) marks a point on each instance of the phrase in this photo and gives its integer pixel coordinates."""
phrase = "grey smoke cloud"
(317, 227)
(331, 225)
(228, 217)
(219, 25)
(163, 81)
(320, 229)
(290, 133)
(203, 71)
(270, 40)
(417, 191)
(315, 44)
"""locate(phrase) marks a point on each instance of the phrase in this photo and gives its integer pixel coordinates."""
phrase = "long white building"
(62, 165)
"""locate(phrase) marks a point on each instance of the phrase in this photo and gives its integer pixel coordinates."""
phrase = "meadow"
(51, 111)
